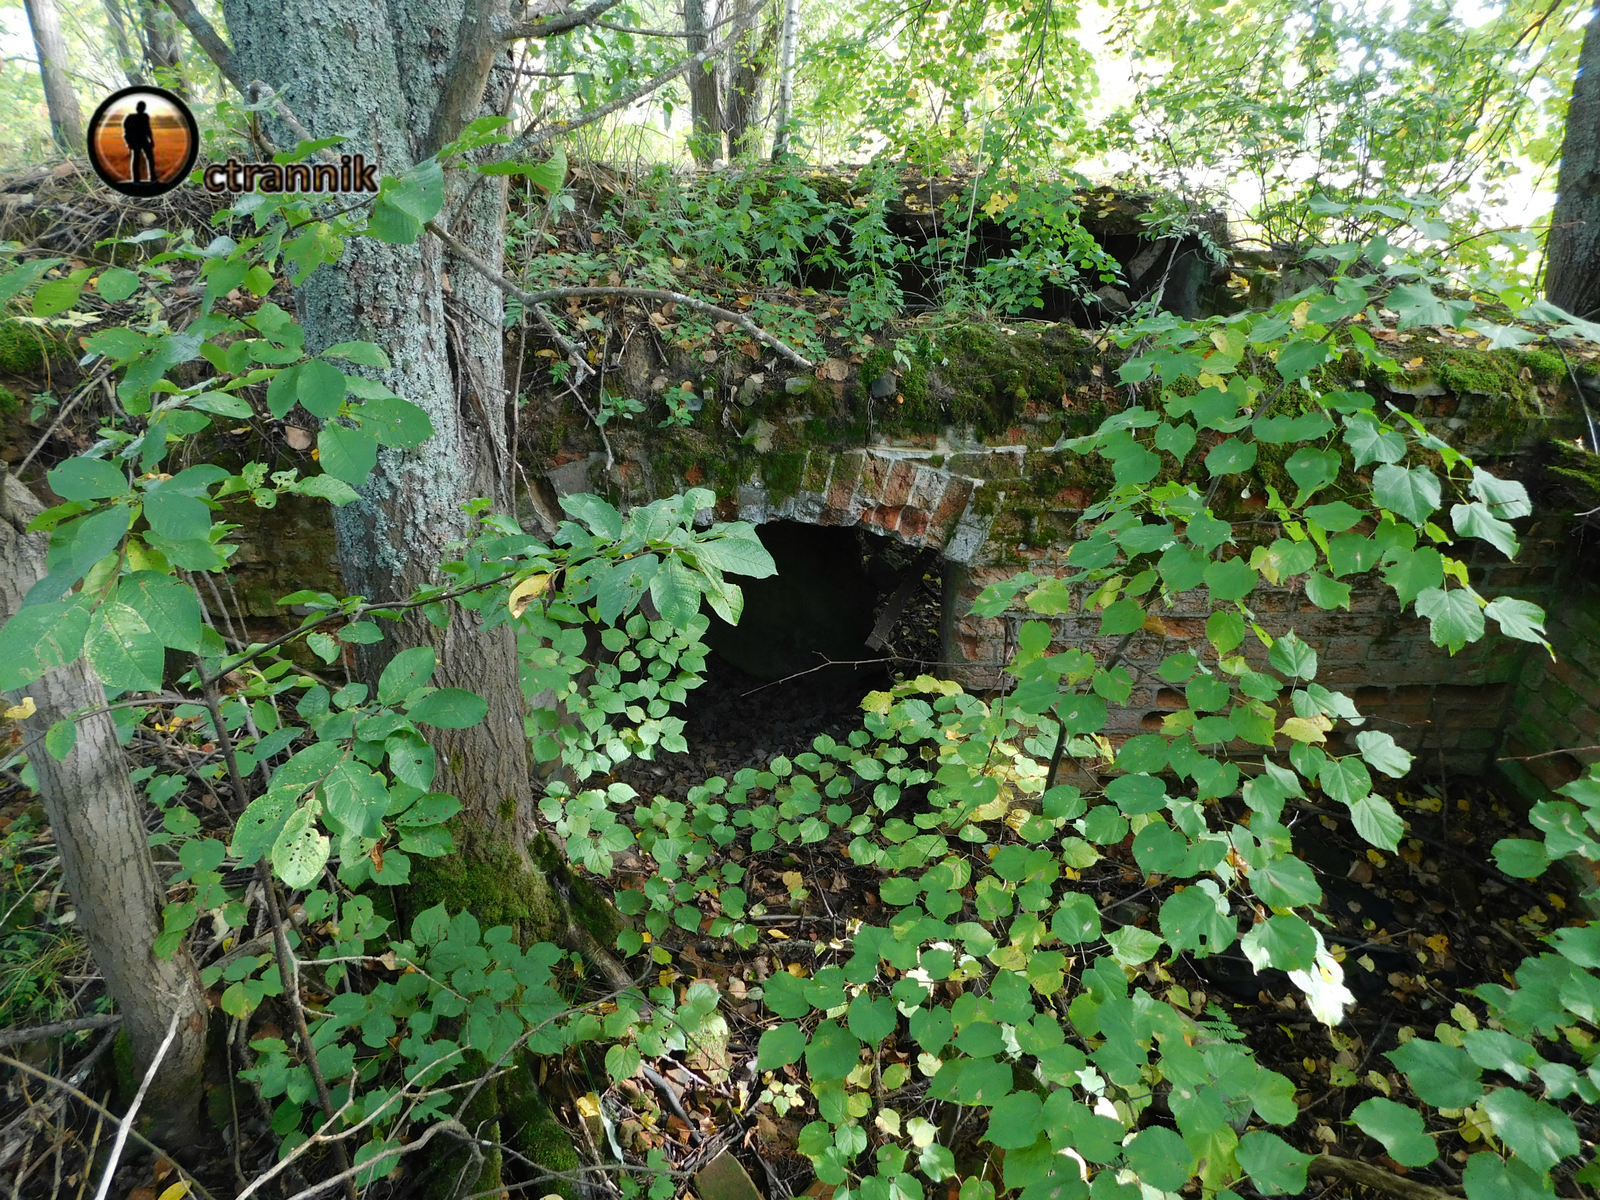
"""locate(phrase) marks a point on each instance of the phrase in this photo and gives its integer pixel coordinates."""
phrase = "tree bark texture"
(380, 71)
(747, 67)
(705, 130)
(1572, 252)
(131, 67)
(105, 855)
(163, 45)
(66, 123)
(786, 55)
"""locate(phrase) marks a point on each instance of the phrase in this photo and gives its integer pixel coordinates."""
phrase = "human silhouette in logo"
(141, 143)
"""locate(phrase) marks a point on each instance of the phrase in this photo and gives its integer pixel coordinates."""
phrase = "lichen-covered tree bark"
(105, 855)
(1572, 265)
(384, 73)
(66, 123)
(705, 129)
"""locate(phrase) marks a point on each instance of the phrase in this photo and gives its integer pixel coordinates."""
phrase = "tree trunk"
(131, 67)
(66, 123)
(742, 105)
(379, 70)
(705, 130)
(1572, 252)
(786, 52)
(163, 46)
(105, 856)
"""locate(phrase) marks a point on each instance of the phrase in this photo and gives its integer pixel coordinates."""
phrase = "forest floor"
(1412, 929)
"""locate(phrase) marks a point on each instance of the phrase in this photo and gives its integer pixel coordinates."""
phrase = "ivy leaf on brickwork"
(1475, 520)
(1454, 617)
(1399, 1127)
(1414, 572)
(1230, 580)
(1371, 442)
(1273, 1165)
(1413, 492)
(1417, 305)
(1518, 618)
(347, 454)
(1540, 1134)
(1327, 593)
(1293, 657)
(1377, 822)
(1124, 616)
(1231, 457)
(1312, 470)
(1383, 752)
(1506, 498)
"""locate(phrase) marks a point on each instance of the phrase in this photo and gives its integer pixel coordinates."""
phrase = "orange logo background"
(171, 127)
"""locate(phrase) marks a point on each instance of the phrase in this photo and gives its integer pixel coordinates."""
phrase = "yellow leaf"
(1301, 730)
(526, 592)
(1207, 380)
(1438, 943)
(1375, 858)
(589, 1105)
(21, 712)
(176, 1192)
(777, 935)
(1298, 318)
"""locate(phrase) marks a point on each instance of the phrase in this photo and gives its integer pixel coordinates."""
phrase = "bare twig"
(1547, 754)
(564, 23)
(12, 1037)
(1376, 1178)
(138, 1099)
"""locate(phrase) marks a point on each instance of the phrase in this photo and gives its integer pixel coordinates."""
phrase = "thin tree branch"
(529, 138)
(13, 1037)
(476, 47)
(133, 1109)
(566, 22)
(210, 41)
(1376, 1178)
(478, 264)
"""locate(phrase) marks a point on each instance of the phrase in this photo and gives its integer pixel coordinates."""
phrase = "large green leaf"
(395, 422)
(1300, 356)
(1400, 1129)
(1411, 492)
(1475, 520)
(1230, 580)
(1440, 1075)
(833, 1052)
(301, 851)
(168, 607)
(1285, 883)
(1383, 752)
(75, 547)
(319, 387)
(1160, 1158)
(1273, 1165)
(1231, 457)
(1311, 470)
(1285, 942)
(737, 556)
(1454, 617)
(123, 650)
(260, 824)
(87, 479)
(449, 708)
(40, 637)
(781, 1045)
(1522, 857)
(675, 591)
(356, 798)
(347, 454)
(1014, 1121)
(1414, 572)
(1376, 820)
(1540, 1134)
(1198, 919)
(1518, 618)
(406, 672)
(1371, 441)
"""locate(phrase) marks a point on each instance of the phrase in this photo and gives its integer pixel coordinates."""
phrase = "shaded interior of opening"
(847, 613)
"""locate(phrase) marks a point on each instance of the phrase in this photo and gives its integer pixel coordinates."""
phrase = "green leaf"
(1381, 751)
(1198, 919)
(1161, 1158)
(1371, 441)
(675, 591)
(449, 708)
(1273, 1165)
(281, 391)
(300, 852)
(780, 1046)
(406, 672)
(123, 650)
(1521, 857)
(395, 422)
(75, 547)
(1131, 945)
(1540, 1134)
(1014, 1121)
(1412, 492)
(622, 1062)
(736, 556)
(871, 1020)
(1285, 942)
(57, 295)
(1417, 305)
(602, 519)
(319, 386)
(1414, 572)
(1505, 498)
(356, 798)
(1293, 657)
(40, 637)
(1312, 470)
(1440, 1075)
(1454, 617)
(365, 354)
(1122, 616)
(87, 479)
(1345, 779)
(347, 454)
(1488, 1178)
(1177, 440)
(60, 738)
(833, 1052)
(1301, 356)
(1230, 580)
(1327, 593)
(1518, 618)
(1231, 457)
(1077, 919)
(407, 202)
(260, 824)
(1376, 820)
(1475, 520)
(177, 517)
(1285, 883)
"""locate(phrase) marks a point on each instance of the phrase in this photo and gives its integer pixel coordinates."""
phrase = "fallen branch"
(13, 1037)
(1366, 1175)
(133, 1109)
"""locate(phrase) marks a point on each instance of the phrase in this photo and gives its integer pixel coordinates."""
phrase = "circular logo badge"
(143, 141)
